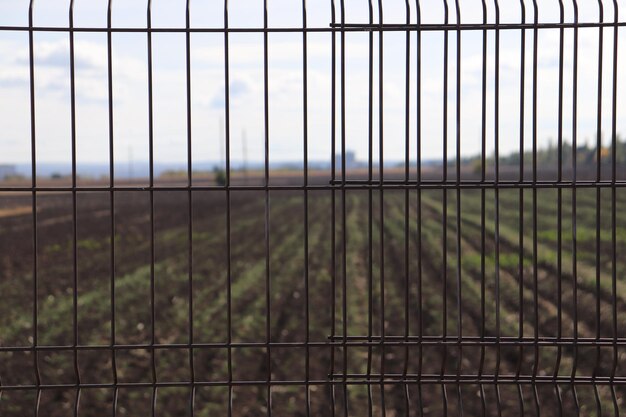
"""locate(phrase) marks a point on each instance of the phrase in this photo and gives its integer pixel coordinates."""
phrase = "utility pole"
(244, 150)
(221, 140)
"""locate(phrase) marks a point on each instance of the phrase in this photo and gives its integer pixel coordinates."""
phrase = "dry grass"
(15, 211)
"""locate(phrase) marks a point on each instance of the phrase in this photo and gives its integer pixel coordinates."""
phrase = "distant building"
(7, 171)
(351, 161)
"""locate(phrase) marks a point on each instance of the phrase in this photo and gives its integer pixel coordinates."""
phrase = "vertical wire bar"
(370, 231)
(574, 178)
(536, 400)
(444, 395)
(190, 322)
(576, 400)
(381, 162)
(496, 191)
(520, 397)
(497, 201)
(459, 276)
(333, 174)
(574, 211)
(596, 395)
(268, 288)
(559, 267)
(74, 208)
(344, 232)
(559, 399)
(559, 215)
(598, 178)
(535, 368)
(33, 160)
(407, 150)
(305, 137)
(615, 401)
(483, 168)
(483, 400)
(444, 243)
(520, 244)
(614, 201)
(111, 202)
(418, 113)
(407, 143)
(229, 297)
(534, 191)
(152, 240)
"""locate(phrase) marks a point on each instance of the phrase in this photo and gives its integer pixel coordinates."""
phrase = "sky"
(285, 79)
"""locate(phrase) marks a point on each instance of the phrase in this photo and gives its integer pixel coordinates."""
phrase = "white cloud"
(285, 81)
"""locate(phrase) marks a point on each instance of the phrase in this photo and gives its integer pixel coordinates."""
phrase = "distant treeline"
(586, 155)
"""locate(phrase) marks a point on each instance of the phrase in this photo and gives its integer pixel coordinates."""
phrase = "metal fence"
(435, 288)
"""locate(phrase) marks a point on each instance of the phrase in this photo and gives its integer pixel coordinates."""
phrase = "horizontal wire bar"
(333, 27)
(472, 26)
(355, 341)
(359, 379)
(350, 184)
(483, 378)
(477, 340)
(412, 378)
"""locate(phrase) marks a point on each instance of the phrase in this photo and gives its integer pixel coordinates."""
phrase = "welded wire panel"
(351, 207)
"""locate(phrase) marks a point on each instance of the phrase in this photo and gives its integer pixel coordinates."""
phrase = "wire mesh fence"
(383, 226)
